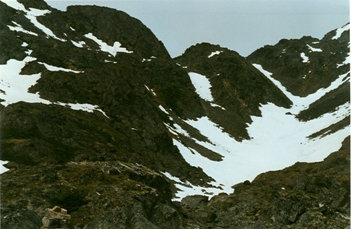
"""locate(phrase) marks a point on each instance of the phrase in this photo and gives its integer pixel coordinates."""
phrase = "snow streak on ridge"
(312, 49)
(305, 58)
(2, 167)
(113, 50)
(19, 28)
(32, 15)
(187, 189)
(54, 68)
(340, 31)
(214, 53)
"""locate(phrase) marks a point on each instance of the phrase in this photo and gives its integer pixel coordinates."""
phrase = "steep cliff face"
(97, 118)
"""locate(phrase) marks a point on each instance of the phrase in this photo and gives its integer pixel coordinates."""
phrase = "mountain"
(307, 64)
(123, 110)
(97, 118)
(232, 79)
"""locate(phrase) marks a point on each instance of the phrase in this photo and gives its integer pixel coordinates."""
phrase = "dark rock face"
(233, 81)
(302, 78)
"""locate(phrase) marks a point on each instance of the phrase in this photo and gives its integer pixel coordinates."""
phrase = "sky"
(240, 25)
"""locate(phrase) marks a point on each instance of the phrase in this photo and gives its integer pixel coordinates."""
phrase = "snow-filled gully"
(278, 140)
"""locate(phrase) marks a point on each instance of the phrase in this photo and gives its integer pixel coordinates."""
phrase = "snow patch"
(202, 86)
(15, 5)
(19, 28)
(188, 189)
(28, 52)
(55, 69)
(83, 107)
(32, 15)
(110, 61)
(163, 109)
(176, 130)
(346, 61)
(150, 90)
(216, 105)
(113, 50)
(79, 44)
(14, 86)
(312, 49)
(148, 60)
(305, 58)
(340, 31)
(171, 130)
(214, 53)
(214, 133)
(3, 169)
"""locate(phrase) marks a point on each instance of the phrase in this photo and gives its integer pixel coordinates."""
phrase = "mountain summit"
(101, 128)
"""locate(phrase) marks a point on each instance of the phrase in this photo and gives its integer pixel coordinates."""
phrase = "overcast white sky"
(241, 25)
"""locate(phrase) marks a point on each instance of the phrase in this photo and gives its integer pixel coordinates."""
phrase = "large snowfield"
(278, 140)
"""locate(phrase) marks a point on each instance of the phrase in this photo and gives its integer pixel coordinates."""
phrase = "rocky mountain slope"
(307, 64)
(126, 122)
(97, 118)
(232, 79)
(305, 195)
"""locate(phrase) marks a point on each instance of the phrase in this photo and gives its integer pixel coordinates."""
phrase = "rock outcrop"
(56, 218)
